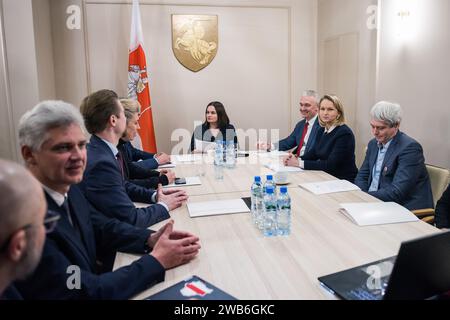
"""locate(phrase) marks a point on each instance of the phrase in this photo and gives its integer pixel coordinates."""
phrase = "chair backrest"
(439, 179)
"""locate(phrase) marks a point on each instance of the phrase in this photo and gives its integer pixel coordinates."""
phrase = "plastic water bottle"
(230, 154)
(270, 182)
(284, 212)
(257, 201)
(270, 213)
(218, 160)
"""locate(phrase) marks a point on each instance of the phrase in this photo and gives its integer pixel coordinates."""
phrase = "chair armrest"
(421, 213)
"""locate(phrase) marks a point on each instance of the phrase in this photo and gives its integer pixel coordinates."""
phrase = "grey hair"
(311, 93)
(47, 115)
(387, 112)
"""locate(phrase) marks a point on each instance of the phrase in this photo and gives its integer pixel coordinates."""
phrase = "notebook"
(324, 187)
(193, 288)
(372, 213)
(216, 207)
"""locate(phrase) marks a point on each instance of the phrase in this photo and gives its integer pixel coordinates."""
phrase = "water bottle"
(230, 155)
(284, 212)
(270, 182)
(270, 213)
(218, 160)
(256, 194)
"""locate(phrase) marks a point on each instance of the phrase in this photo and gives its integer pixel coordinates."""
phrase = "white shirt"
(311, 123)
(58, 198)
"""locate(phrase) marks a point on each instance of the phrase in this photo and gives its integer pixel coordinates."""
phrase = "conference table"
(238, 259)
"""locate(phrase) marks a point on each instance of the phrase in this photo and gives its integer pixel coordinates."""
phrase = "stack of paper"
(190, 181)
(371, 213)
(211, 208)
(330, 186)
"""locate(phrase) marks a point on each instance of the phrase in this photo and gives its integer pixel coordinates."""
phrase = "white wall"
(338, 19)
(414, 70)
(21, 67)
(266, 56)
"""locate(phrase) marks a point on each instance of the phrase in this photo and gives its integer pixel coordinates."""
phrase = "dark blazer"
(63, 248)
(139, 175)
(404, 177)
(202, 132)
(148, 161)
(109, 193)
(293, 139)
(442, 212)
(11, 293)
(333, 153)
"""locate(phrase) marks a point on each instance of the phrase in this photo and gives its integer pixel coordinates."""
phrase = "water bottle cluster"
(271, 213)
(224, 156)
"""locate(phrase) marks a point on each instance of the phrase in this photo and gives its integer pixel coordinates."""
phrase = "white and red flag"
(138, 85)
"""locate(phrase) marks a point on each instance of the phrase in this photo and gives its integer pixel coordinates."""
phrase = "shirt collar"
(55, 195)
(330, 129)
(385, 146)
(111, 146)
(311, 121)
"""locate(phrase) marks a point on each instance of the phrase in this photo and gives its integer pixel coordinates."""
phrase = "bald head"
(21, 199)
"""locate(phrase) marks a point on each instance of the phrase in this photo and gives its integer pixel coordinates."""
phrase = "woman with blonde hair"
(334, 148)
(133, 171)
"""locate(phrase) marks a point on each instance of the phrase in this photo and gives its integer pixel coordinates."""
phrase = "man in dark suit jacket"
(68, 268)
(104, 183)
(394, 166)
(22, 232)
(442, 212)
(309, 106)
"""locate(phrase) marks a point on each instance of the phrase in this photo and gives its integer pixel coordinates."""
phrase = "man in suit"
(104, 183)
(442, 212)
(394, 166)
(22, 231)
(53, 145)
(305, 132)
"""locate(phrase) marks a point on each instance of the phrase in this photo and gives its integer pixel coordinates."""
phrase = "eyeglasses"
(50, 222)
(305, 105)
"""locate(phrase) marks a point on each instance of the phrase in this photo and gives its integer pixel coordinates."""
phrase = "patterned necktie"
(120, 161)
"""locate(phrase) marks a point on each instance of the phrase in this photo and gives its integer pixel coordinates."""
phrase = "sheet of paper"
(186, 158)
(373, 213)
(216, 207)
(330, 186)
(272, 154)
(190, 181)
(166, 166)
(204, 146)
(278, 167)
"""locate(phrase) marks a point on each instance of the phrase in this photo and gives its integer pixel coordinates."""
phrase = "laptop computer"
(421, 270)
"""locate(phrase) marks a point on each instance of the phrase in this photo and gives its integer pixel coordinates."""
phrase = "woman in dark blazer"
(216, 127)
(334, 148)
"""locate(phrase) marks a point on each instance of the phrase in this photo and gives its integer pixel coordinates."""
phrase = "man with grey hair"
(22, 231)
(394, 166)
(53, 145)
(304, 134)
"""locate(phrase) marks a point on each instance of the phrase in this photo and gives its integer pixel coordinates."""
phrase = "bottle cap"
(257, 179)
(283, 189)
(269, 177)
(269, 190)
